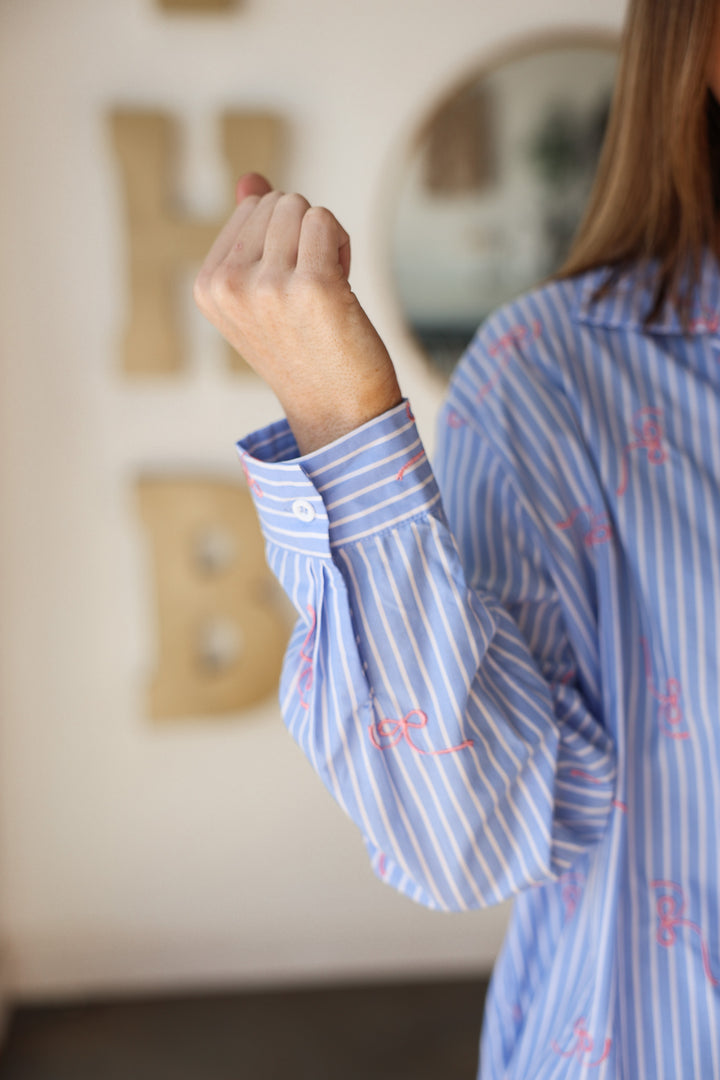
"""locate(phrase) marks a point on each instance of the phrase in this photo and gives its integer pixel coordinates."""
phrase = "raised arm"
(275, 284)
(452, 733)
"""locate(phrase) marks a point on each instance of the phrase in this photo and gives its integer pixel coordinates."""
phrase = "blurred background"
(169, 864)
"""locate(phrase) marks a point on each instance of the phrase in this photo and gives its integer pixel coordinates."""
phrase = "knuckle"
(294, 201)
(208, 292)
(225, 285)
(270, 198)
(322, 217)
(200, 289)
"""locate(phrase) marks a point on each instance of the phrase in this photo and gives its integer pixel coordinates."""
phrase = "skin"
(275, 284)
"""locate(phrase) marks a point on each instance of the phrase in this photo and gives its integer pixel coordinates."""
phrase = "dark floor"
(406, 1031)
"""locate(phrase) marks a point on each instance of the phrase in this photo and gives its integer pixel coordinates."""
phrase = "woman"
(514, 691)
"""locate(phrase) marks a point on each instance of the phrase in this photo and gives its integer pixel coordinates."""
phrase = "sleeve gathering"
(429, 679)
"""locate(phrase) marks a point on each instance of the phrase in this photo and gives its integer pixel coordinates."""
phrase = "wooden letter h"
(162, 242)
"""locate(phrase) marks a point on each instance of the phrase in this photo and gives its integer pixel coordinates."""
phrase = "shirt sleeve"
(447, 724)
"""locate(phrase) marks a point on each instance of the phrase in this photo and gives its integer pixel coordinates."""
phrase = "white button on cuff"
(303, 510)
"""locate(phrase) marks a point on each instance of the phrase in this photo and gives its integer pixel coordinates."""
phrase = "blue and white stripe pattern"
(514, 689)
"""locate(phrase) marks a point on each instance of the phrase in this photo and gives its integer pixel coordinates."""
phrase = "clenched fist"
(275, 284)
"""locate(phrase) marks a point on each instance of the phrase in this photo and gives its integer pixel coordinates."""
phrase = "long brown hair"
(654, 191)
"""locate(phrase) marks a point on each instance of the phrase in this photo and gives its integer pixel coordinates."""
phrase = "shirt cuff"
(371, 479)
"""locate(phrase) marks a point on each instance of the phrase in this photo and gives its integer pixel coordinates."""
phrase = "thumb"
(251, 183)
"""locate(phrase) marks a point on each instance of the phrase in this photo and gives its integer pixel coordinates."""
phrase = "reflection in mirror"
(494, 189)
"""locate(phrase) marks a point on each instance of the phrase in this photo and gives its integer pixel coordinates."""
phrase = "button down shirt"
(506, 668)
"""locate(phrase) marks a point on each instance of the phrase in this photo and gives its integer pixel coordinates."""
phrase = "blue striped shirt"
(506, 670)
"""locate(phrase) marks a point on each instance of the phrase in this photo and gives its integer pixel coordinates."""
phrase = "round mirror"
(495, 186)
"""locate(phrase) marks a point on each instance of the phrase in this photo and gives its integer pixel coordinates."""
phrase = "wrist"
(331, 420)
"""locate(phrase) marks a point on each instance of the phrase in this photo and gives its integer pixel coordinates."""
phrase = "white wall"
(206, 852)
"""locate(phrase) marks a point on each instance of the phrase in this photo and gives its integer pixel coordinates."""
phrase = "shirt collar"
(631, 298)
